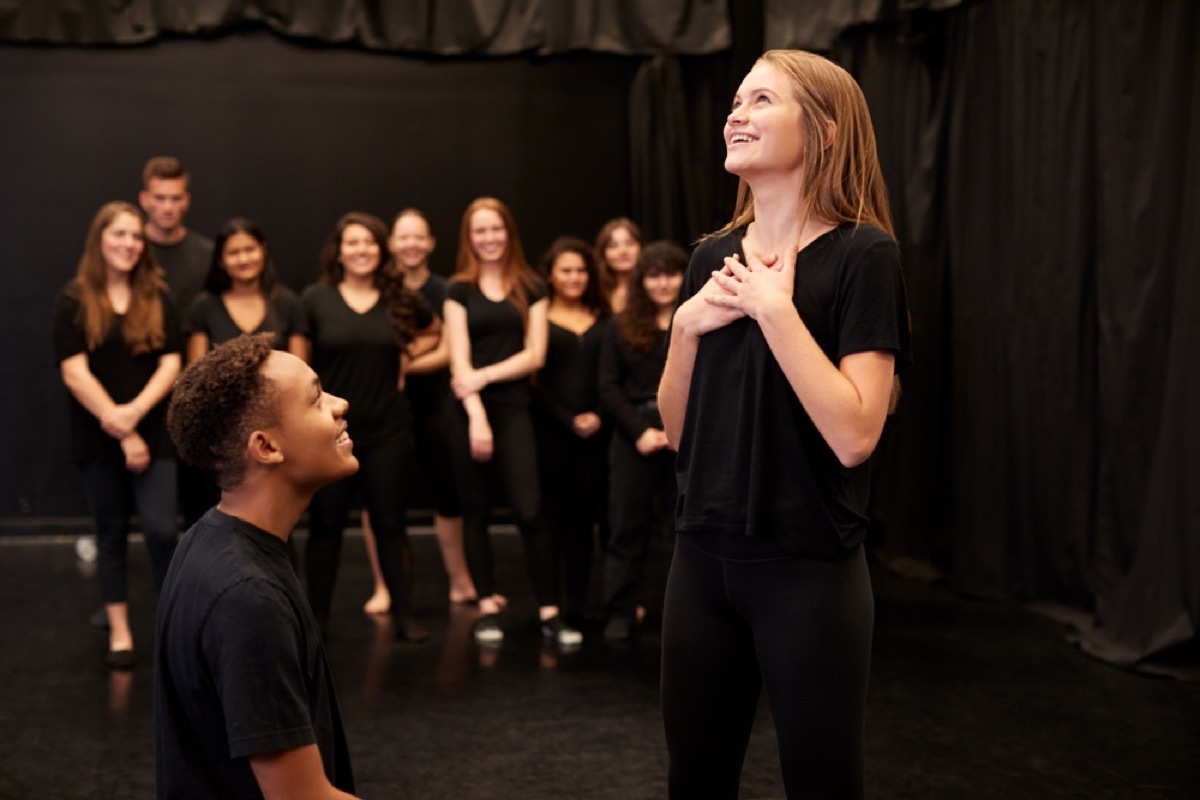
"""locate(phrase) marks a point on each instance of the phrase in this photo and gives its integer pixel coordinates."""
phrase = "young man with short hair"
(183, 254)
(244, 700)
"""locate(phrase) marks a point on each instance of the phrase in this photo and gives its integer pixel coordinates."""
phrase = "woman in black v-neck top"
(568, 417)
(363, 325)
(495, 321)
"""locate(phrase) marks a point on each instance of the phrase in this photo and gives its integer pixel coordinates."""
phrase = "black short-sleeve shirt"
(567, 385)
(356, 357)
(185, 265)
(122, 374)
(285, 318)
(239, 667)
(750, 460)
(496, 331)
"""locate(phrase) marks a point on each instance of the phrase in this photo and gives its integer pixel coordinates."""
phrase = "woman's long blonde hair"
(842, 182)
(142, 326)
(520, 281)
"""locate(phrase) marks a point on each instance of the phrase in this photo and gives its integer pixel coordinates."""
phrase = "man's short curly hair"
(218, 401)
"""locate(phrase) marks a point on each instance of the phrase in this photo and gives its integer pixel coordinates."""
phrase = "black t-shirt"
(285, 318)
(356, 357)
(239, 667)
(122, 374)
(185, 265)
(496, 331)
(430, 393)
(750, 459)
(568, 383)
(629, 381)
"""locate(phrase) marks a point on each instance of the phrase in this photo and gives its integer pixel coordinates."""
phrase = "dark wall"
(290, 135)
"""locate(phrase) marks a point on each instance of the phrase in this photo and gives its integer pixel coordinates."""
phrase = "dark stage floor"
(967, 700)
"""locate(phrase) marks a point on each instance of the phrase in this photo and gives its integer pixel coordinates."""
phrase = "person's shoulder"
(285, 296)
(198, 240)
(861, 236)
(721, 243)
(314, 292)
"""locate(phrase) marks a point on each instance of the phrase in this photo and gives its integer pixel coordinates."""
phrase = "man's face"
(165, 201)
(311, 434)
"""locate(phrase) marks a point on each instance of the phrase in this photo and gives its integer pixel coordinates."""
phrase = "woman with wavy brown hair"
(495, 317)
(791, 327)
(641, 475)
(618, 244)
(365, 327)
(117, 343)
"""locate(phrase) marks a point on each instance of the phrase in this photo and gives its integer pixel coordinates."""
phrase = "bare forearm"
(159, 385)
(676, 383)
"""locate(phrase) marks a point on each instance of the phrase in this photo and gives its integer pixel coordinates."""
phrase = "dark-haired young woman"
(784, 349)
(241, 294)
(495, 317)
(567, 415)
(364, 326)
(641, 465)
(117, 343)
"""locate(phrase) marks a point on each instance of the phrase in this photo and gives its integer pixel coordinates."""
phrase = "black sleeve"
(69, 338)
(423, 315)
(874, 305)
(173, 336)
(197, 319)
(611, 386)
(295, 321)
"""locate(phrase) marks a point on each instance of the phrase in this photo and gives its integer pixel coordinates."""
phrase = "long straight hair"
(142, 326)
(218, 280)
(842, 182)
(519, 279)
(608, 279)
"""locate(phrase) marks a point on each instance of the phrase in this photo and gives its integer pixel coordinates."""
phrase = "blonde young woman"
(617, 247)
(495, 322)
(117, 343)
(791, 327)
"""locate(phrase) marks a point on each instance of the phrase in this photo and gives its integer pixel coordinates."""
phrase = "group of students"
(503, 381)
(769, 366)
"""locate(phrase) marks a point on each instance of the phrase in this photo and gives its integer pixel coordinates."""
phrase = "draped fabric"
(1042, 161)
(817, 24)
(429, 27)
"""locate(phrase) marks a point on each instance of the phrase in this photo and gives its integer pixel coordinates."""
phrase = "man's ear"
(263, 449)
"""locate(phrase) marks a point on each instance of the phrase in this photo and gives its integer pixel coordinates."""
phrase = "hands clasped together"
(737, 290)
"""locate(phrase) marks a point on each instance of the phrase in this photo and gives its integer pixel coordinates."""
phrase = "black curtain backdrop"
(1041, 157)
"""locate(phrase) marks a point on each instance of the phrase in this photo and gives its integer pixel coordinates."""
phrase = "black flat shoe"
(119, 659)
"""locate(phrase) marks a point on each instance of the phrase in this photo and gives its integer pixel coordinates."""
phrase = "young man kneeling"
(243, 695)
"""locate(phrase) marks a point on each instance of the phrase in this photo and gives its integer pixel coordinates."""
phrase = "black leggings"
(514, 466)
(732, 626)
(380, 479)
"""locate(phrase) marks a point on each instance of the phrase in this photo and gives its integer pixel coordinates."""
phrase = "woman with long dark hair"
(117, 343)
(791, 328)
(495, 317)
(365, 327)
(568, 417)
(641, 466)
(241, 295)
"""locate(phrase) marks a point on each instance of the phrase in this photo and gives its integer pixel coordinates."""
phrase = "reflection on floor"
(968, 700)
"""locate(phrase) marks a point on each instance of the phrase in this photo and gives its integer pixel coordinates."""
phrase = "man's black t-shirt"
(356, 357)
(239, 667)
(285, 318)
(122, 374)
(497, 332)
(185, 265)
(750, 461)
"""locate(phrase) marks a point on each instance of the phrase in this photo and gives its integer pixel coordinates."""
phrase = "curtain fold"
(424, 27)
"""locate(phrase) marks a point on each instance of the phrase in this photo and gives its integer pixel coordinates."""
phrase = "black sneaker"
(488, 630)
(558, 631)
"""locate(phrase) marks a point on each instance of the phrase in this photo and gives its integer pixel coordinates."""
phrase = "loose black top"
(239, 667)
(429, 393)
(750, 459)
(568, 384)
(496, 332)
(285, 318)
(629, 381)
(356, 357)
(122, 374)
(185, 265)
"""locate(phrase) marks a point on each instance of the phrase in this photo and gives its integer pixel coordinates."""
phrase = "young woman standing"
(784, 350)
(495, 316)
(117, 343)
(365, 327)
(567, 415)
(617, 247)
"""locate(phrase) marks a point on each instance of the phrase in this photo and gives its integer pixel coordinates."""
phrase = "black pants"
(513, 469)
(574, 480)
(641, 497)
(380, 481)
(733, 625)
(434, 444)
